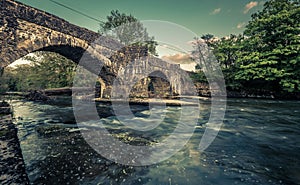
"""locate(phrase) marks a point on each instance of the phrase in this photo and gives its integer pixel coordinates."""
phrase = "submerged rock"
(36, 96)
(4, 108)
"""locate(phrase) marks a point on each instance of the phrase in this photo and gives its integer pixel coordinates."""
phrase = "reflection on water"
(258, 144)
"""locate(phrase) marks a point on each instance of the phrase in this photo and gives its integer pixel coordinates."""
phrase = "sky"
(182, 20)
(218, 17)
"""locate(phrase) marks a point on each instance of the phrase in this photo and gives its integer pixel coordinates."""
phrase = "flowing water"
(259, 143)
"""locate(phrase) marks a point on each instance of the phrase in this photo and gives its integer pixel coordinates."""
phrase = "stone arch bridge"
(24, 30)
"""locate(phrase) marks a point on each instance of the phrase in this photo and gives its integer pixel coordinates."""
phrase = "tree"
(270, 51)
(226, 51)
(209, 68)
(128, 30)
(267, 56)
(51, 70)
(46, 70)
(208, 39)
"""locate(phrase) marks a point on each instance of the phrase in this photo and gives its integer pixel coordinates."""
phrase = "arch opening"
(39, 70)
(156, 85)
(66, 59)
(100, 89)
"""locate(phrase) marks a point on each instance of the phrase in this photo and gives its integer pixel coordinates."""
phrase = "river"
(259, 143)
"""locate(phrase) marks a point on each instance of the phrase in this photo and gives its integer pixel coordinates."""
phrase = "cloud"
(216, 11)
(178, 58)
(249, 6)
(240, 25)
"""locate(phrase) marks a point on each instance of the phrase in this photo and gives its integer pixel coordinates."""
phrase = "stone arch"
(74, 53)
(26, 37)
(159, 85)
(156, 84)
(21, 36)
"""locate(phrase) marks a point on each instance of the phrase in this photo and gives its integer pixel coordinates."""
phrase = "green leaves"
(271, 49)
(128, 30)
(267, 55)
(47, 70)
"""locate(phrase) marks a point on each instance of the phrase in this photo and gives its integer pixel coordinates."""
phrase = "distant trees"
(267, 55)
(128, 30)
(47, 70)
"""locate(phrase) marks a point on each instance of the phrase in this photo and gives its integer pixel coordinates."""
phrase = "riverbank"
(12, 166)
(203, 92)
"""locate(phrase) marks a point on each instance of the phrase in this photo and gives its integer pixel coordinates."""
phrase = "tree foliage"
(270, 52)
(128, 30)
(46, 70)
(267, 55)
